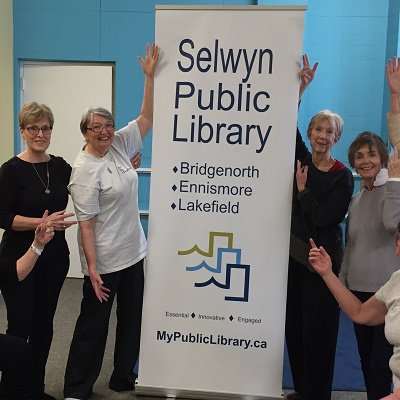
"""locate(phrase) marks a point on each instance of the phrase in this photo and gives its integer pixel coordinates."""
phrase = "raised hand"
(394, 164)
(59, 222)
(319, 259)
(44, 232)
(306, 74)
(301, 176)
(393, 75)
(149, 63)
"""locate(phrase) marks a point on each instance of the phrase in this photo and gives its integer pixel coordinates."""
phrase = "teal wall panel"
(94, 31)
(351, 40)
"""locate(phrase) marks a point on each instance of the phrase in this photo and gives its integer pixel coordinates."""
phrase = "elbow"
(361, 321)
(7, 222)
(390, 226)
(145, 123)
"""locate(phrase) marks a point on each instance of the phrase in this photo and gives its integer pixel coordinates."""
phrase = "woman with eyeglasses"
(111, 241)
(30, 183)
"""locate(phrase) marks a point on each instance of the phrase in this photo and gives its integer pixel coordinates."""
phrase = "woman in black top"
(322, 191)
(31, 182)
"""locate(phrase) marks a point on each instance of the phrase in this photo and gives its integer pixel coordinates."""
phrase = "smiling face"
(368, 163)
(37, 142)
(322, 137)
(98, 144)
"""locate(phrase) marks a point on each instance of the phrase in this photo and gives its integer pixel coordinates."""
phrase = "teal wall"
(351, 40)
(94, 31)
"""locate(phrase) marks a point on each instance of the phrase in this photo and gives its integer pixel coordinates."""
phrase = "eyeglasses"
(34, 130)
(109, 126)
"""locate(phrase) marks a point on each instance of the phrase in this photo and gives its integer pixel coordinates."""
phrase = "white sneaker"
(71, 398)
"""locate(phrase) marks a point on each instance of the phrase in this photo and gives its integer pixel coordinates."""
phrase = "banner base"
(172, 393)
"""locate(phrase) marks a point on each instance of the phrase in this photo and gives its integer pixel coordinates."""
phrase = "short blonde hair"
(33, 112)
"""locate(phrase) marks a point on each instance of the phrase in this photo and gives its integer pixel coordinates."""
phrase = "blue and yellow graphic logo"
(219, 266)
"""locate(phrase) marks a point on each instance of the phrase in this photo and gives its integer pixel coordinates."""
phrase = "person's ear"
(21, 131)
(337, 138)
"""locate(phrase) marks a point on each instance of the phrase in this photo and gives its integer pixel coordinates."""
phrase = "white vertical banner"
(226, 95)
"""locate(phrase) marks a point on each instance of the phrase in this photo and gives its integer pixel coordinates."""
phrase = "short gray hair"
(87, 116)
(335, 120)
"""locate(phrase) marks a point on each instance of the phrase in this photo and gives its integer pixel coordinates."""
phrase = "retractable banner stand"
(226, 95)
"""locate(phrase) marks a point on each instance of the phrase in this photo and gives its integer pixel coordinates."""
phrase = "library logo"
(232, 277)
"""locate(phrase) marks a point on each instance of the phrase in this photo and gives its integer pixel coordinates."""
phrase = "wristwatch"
(36, 250)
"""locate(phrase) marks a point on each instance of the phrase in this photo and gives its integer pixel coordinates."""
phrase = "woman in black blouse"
(31, 182)
(322, 191)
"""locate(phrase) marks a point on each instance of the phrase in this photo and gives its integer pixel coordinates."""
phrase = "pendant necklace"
(107, 166)
(46, 188)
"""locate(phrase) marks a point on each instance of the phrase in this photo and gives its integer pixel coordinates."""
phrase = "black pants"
(375, 352)
(16, 367)
(91, 330)
(312, 322)
(31, 305)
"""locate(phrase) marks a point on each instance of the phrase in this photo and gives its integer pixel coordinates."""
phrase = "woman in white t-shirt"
(382, 307)
(112, 244)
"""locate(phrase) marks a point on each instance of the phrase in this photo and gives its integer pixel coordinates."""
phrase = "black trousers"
(312, 322)
(375, 352)
(31, 305)
(16, 367)
(91, 330)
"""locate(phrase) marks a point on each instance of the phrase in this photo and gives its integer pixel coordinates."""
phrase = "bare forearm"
(21, 223)
(372, 312)
(90, 253)
(394, 103)
(349, 303)
(26, 263)
(396, 395)
(394, 128)
(89, 242)
(145, 120)
(302, 89)
(393, 396)
(148, 98)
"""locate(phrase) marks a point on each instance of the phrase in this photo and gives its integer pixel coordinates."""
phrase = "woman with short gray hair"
(112, 245)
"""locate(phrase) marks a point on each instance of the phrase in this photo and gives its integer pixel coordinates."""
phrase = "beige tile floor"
(66, 315)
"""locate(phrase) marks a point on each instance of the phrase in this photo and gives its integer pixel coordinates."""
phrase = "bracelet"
(36, 250)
